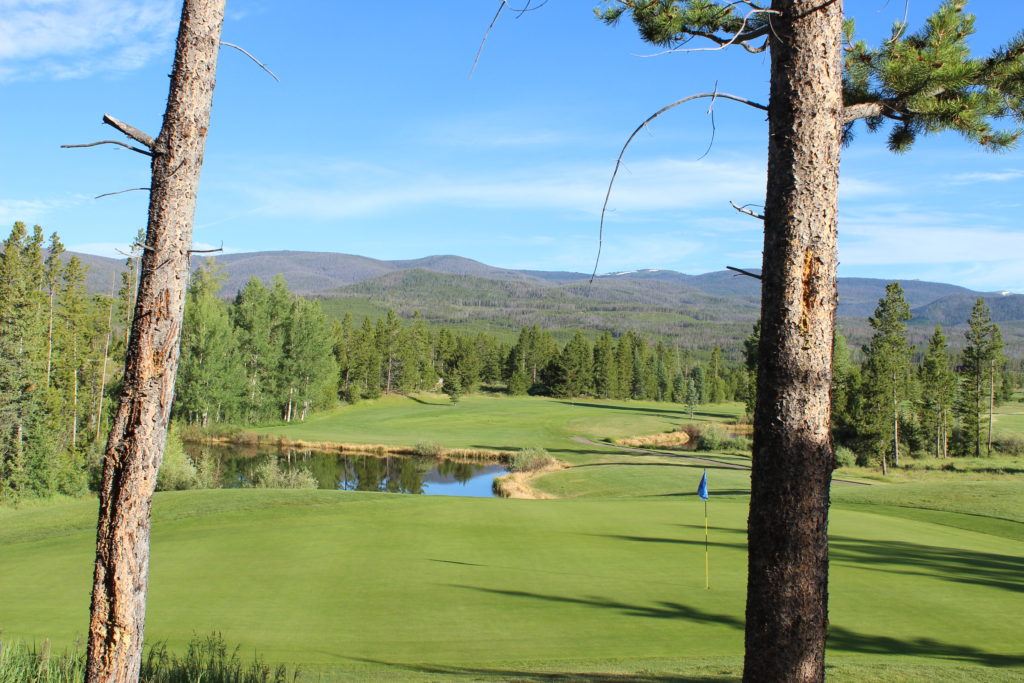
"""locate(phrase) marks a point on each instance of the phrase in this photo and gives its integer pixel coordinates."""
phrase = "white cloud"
(29, 210)
(922, 238)
(987, 177)
(77, 38)
(335, 190)
(108, 249)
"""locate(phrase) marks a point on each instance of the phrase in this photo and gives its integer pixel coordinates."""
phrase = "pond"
(356, 471)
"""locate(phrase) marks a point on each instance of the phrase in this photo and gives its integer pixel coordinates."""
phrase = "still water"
(354, 471)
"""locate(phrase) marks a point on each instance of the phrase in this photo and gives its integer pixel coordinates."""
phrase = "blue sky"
(377, 142)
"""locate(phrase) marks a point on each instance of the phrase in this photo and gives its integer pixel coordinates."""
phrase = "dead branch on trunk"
(744, 272)
(744, 209)
(130, 189)
(110, 142)
(249, 55)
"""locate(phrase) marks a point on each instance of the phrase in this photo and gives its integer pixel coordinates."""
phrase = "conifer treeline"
(59, 360)
(887, 408)
(391, 356)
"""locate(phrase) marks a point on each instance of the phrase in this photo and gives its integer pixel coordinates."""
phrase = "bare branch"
(711, 113)
(738, 38)
(527, 8)
(744, 272)
(487, 33)
(249, 55)
(502, 5)
(110, 194)
(206, 251)
(131, 131)
(865, 110)
(110, 142)
(744, 209)
(622, 152)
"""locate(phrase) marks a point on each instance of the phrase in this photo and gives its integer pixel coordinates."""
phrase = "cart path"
(703, 461)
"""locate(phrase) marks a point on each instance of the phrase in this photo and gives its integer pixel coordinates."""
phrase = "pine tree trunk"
(895, 437)
(977, 412)
(138, 435)
(103, 361)
(49, 337)
(991, 401)
(74, 410)
(786, 615)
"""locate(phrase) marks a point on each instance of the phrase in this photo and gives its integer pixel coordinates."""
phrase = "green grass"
(1009, 418)
(604, 584)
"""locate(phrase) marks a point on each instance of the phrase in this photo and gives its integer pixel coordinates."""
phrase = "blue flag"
(702, 488)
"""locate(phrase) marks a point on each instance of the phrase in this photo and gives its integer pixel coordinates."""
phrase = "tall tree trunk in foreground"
(787, 614)
(136, 445)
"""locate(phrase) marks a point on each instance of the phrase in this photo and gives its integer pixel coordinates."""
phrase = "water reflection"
(354, 472)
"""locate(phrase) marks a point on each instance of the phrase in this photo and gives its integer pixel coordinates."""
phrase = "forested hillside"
(698, 311)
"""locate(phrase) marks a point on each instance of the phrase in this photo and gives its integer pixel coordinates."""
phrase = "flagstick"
(707, 579)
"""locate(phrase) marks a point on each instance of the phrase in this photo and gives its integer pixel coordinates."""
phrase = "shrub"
(179, 472)
(269, 475)
(845, 457)
(741, 444)
(209, 661)
(1009, 444)
(712, 438)
(20, 663)
(530, 460)
(431, 449)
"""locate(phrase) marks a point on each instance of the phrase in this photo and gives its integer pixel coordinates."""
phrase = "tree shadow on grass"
(840, 638)
(690, 465)
(428, 403)
(719, 493)
(663, 412)
(480, 673)
(674, 541)
(912, 559)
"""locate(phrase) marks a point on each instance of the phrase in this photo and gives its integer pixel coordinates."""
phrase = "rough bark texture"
(136, 444)
(787, 588)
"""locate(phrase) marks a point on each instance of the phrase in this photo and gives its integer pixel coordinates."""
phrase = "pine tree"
(344, 335)
(886, 372)
(389, 332)
(717, 384)
(570, 373)
(980, 362)
(845, 386)
(75, 330)
(366, 363)
(52, 277)
(260, 346)
(212, 376)
(308, 361)
(938, 384)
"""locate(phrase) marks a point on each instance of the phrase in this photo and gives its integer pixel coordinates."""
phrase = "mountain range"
(456, 290)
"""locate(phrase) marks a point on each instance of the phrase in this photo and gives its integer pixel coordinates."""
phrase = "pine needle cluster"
(928, 82)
